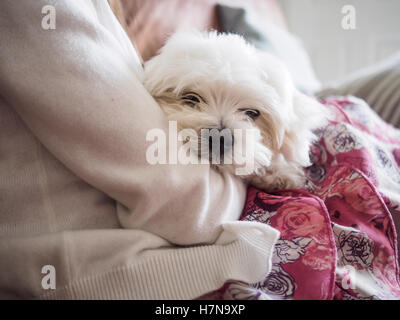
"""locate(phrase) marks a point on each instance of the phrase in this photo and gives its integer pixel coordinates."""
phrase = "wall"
(334, 51)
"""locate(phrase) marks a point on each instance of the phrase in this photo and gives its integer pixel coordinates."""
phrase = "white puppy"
(218, 81)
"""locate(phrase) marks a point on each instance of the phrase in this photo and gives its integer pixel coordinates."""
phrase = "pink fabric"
(338, 237)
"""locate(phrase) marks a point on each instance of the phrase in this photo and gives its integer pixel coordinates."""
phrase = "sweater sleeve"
(77, 88)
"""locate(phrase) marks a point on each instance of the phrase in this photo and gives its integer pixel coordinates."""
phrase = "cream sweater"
(76, 191)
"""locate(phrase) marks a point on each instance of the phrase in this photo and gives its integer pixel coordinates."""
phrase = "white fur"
(230, 75)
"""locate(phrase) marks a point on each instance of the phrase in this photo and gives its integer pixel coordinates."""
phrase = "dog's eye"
(191, 98)
(252, 113)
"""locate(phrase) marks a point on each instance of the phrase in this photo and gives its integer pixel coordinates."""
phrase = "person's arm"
(75, 87)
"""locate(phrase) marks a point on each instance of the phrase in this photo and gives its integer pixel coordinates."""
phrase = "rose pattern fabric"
(354, 248)
(289, 251)
(341, 138)
(339, 234)
(279, 284)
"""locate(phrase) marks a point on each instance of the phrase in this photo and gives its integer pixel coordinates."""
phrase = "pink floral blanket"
(338, 235)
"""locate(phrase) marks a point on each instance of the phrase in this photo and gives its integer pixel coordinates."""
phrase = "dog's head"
(218, 81)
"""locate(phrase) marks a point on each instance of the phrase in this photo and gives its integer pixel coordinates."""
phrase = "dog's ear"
(308, 115)
(276, 112)
(293, 117)
(272, 128)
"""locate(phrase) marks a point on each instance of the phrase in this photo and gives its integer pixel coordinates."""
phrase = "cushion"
(337, 238)
(150, 22)
(378, 85)
(273, 39)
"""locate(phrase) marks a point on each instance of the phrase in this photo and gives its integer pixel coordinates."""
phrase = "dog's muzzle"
(220, 141)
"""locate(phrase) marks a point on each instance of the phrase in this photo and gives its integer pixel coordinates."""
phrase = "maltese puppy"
(225, 91)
